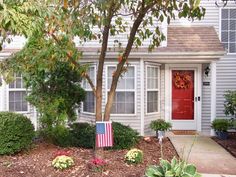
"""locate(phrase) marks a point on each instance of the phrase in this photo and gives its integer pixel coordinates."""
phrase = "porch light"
(207, 70)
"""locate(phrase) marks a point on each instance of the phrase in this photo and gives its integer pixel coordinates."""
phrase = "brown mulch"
(229, 144)
(37, 161)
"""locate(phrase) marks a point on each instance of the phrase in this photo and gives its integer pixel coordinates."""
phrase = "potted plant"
(160, 126)
(221, 126)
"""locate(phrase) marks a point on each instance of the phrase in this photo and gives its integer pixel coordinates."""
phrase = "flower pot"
(222, 135)
(160, 133)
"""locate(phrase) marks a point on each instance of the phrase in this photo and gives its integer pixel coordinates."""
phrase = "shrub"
(124, 136)
(83, 135)
(160, 125)
(58, 135)
(17, 132)
(97, 165)
(230, 103)
(220, 125)
(178, 168)
(62, 162)
(134, 156)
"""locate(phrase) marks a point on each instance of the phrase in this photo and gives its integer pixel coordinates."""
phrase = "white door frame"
(184, 124)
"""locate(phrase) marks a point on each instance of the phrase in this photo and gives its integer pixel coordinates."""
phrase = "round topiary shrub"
(16, 132)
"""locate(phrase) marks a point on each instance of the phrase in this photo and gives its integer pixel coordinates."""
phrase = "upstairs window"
(89, 102)
(17, 95)
(228, 29)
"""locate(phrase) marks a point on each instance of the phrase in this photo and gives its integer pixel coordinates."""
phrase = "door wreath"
(182, 80)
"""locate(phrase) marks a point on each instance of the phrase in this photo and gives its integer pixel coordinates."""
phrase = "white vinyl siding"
(228, 29)
(152, 78)
(89, 102)
(17, 94)
(124, 100)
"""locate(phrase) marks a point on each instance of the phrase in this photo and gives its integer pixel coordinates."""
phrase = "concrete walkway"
(206, 154)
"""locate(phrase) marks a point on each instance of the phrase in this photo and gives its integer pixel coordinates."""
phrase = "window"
(152, 88)
(89, 102)
(228, 29)
(17, 94)
(124, 100)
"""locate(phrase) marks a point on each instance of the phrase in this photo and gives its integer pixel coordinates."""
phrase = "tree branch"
(86, 76)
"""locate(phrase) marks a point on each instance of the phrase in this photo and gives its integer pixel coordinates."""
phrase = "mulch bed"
(229, 144)
(37, 161)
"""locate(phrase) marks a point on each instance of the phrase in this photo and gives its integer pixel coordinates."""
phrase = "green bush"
(63, 162)
(160, 125)
(124, 136)
(83, 135)
(58, 135)
(16, 132)
(221, 125)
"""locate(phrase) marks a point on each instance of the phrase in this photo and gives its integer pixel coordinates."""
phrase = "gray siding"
(225, 80)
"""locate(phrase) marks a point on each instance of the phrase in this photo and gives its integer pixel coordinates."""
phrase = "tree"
(108, 16)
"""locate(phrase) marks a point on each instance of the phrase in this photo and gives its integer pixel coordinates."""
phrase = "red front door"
(182, 94)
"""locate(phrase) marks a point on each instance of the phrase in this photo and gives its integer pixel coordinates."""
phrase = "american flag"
(104, 134)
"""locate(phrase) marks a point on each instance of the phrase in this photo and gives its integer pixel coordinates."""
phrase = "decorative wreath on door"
(182, 80)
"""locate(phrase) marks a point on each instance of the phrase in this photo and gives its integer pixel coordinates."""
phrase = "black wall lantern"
(207, 70)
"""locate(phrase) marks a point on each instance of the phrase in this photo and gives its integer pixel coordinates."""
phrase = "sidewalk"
(206, 154)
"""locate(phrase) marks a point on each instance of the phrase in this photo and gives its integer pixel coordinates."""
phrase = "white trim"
(197, 91)
(142, 96)
(158, 89)
(213, 93)
(123, 90)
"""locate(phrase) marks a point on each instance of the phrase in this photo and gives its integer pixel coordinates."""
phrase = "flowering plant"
(62, 162)
(97, 164)
(134, 156)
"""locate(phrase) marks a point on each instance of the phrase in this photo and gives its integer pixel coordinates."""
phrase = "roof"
(182, 42)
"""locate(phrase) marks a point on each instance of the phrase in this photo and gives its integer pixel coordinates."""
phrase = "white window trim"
(8, 89)
(220, 24)
(158, 89)
(90, 90)
(123, 90)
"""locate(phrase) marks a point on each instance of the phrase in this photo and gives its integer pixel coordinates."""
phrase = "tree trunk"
(120, 65)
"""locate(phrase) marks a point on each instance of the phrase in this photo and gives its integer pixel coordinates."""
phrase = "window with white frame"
(17, 95)
(152, 89)
(89, 102)
(228, 29)
(124, 100)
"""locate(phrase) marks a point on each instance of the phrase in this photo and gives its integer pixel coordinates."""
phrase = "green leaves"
(175, 168)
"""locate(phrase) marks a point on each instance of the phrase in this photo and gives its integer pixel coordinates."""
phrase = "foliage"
(58, 135)
(83, 135)
(124, 136)
(17, 132)
(97, 165)
(62, 162)
(221, 125)
(175, 168)
(134, 156)
(160, 125)
(230, 103)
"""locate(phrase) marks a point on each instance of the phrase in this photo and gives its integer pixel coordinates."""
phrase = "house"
(183, 81)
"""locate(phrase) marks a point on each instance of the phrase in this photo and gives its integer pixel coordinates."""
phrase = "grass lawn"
(37, 161)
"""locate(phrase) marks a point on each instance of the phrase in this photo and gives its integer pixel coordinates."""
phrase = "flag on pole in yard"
(104, 134)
